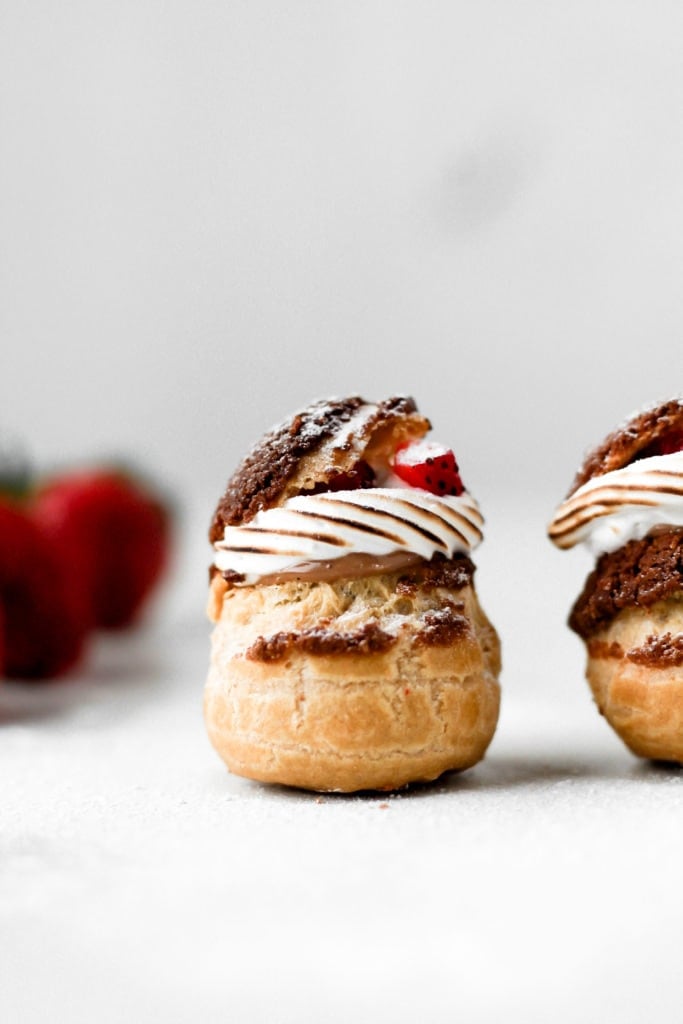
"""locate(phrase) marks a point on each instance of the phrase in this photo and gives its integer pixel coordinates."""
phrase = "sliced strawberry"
(429, 466)
(114, 533)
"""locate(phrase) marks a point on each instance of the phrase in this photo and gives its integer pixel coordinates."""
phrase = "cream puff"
(626, 505)
(349, 649)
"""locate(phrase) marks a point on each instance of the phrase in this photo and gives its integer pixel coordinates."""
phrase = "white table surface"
(139, 881)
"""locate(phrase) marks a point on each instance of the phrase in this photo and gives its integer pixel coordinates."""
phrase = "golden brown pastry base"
(635, 670)
(351, 719)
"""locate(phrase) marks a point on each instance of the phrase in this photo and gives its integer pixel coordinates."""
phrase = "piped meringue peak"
(349, 499)
(377, 521)
(626, 504)
(629, 487)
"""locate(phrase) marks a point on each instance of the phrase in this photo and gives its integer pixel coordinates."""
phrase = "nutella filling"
(347, 567)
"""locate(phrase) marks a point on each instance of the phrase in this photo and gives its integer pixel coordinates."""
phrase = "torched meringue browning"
(330, 526)
(622, 505)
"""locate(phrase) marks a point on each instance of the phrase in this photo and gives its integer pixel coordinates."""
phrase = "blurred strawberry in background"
(83, 550)
(41, 615)
(114, 533)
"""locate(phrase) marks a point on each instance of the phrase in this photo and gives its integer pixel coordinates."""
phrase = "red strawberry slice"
(115, 535)
(430, 466)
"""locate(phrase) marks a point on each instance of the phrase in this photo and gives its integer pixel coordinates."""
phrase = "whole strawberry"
(115, 534)
(41, 623)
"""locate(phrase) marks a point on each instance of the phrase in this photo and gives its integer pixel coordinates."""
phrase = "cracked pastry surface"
(368, 672)
(365, 684)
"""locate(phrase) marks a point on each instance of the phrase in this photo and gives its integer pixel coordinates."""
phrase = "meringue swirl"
(378, 521)
(625, 504)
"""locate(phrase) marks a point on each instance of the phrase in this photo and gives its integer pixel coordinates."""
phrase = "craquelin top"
(635, 439)
(265, 472)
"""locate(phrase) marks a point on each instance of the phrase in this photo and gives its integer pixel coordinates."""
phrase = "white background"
(210, 213)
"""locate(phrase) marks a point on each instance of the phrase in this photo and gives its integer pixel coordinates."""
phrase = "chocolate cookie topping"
(664, 651)
(636, 439)
(264, 473)
(440, 628)
(444, 627)
(451, 573)
(321, 641)
(660, 650)
(638, 574)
